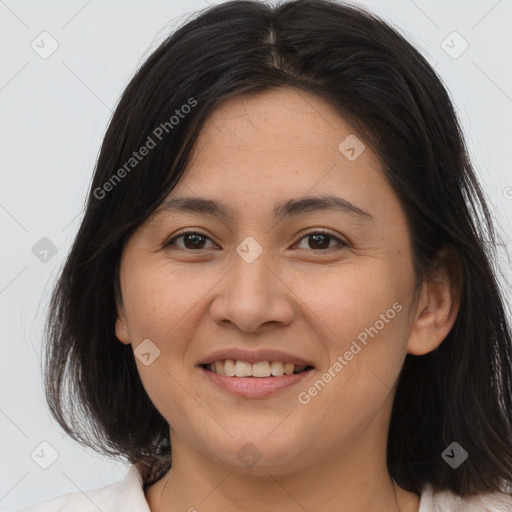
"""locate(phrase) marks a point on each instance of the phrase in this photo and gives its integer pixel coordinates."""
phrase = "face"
(324, 284)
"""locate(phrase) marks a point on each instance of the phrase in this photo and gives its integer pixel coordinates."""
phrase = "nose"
(253, 296)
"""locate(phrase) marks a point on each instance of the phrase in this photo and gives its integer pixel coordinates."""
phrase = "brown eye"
(192, 240)
(320, 240)
(317, 241)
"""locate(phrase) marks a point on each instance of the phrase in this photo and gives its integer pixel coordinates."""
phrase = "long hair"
(461, 392)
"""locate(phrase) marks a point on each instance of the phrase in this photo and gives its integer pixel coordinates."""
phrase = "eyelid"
(341, 242)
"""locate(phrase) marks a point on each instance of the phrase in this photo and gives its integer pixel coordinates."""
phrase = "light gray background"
(54, 113)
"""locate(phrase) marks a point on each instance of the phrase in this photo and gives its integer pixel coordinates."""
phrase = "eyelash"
(341, 243)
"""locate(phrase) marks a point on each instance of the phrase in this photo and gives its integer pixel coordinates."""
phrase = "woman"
(282, 275)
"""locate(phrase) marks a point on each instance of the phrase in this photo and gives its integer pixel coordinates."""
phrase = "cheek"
(344, 301)
(359, 314)
(158, 298)
(159, 307)
(166, 305)
(366, 349)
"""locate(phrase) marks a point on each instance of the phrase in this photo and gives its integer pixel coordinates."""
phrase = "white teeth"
(276, 367)
(243, 369)
(261, 369)
(229, 367)
(233, 368)
(288, 368)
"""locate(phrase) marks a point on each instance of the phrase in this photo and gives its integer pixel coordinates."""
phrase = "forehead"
(280, 142)
(273, 121)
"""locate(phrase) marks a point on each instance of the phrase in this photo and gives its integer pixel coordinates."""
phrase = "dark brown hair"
(382, 85)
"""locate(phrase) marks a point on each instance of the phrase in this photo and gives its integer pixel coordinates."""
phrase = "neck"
(355, 480)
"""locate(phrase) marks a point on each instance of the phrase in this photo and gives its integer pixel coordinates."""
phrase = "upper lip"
(253, 356)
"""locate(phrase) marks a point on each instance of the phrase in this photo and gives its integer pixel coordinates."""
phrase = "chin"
(256, 453)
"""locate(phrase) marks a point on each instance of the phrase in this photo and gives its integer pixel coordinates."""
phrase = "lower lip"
(254, 387)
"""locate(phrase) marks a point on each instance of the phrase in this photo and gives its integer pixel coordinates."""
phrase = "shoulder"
(446, 501)
(126, 495)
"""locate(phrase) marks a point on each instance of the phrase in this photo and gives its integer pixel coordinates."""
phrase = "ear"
(122, 332)
(438, 304)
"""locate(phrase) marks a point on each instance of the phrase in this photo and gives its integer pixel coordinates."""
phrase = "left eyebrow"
(290, 207)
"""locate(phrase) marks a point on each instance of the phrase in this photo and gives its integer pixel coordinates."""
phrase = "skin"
(311, 301)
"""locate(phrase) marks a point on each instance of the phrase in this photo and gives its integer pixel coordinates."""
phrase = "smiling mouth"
(235, 368)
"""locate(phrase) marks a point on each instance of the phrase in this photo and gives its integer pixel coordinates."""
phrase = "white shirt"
(127, 495)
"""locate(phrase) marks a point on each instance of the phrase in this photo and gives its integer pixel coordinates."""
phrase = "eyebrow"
(290, 207)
